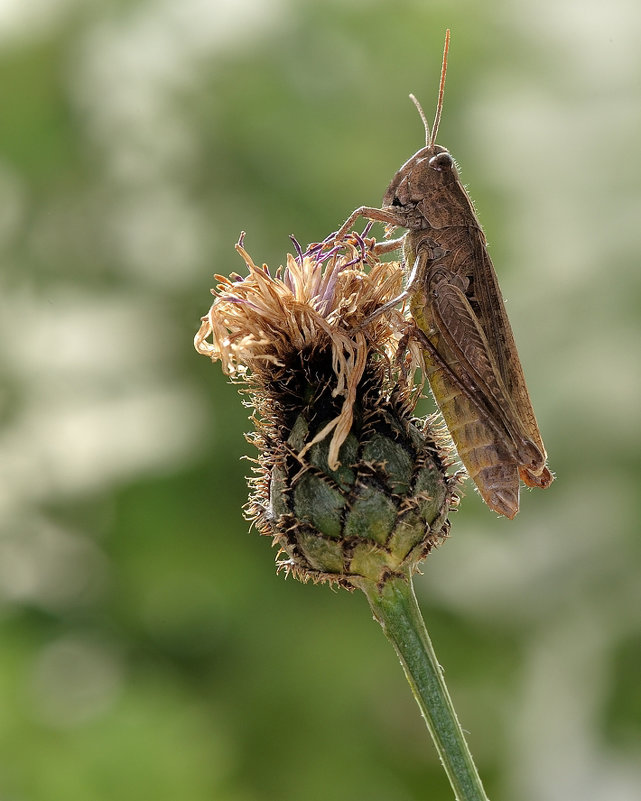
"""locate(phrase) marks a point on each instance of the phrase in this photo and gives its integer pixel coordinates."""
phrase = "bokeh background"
(147, 648)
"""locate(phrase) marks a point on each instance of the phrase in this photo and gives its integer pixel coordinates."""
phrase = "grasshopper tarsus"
(541, 481)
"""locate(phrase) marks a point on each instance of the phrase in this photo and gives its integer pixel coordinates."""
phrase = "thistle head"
(348, 483)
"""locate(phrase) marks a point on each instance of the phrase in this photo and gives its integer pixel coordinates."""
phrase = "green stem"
(396, 609)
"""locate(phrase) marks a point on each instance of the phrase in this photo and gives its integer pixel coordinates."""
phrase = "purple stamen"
(361, 245)
(288, 281)
(322, 257)
(299, 249)
(314, 249)
(243, 302)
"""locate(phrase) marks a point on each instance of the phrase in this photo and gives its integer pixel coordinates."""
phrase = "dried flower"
(347, 483)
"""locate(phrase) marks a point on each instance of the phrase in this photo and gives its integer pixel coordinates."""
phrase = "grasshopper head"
(429, 171)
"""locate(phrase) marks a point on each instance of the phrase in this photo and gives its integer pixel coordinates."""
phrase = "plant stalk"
(395, 607)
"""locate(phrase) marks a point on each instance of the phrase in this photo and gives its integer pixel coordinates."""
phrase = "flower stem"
(396, 609)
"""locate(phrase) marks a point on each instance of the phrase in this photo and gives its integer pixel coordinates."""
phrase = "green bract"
(381, 511)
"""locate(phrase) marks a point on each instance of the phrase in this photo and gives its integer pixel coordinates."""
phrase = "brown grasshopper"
(470, 355)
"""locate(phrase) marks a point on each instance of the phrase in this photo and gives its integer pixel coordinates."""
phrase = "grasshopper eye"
(441, 161)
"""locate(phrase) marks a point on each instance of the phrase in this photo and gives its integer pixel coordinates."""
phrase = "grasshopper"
(470, 356)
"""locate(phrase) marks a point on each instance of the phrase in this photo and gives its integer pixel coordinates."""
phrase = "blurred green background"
(147, 648)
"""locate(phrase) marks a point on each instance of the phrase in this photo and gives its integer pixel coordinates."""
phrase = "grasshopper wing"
(463, 333)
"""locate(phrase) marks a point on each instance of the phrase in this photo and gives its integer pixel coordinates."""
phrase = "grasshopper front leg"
(369, 213)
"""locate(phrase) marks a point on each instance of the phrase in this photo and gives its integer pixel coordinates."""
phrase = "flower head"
(347, 483)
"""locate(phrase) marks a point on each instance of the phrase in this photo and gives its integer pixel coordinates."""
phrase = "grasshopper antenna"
(441, 90)
(424, 118)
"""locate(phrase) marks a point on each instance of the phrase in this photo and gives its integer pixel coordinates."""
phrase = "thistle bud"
(347, 483)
